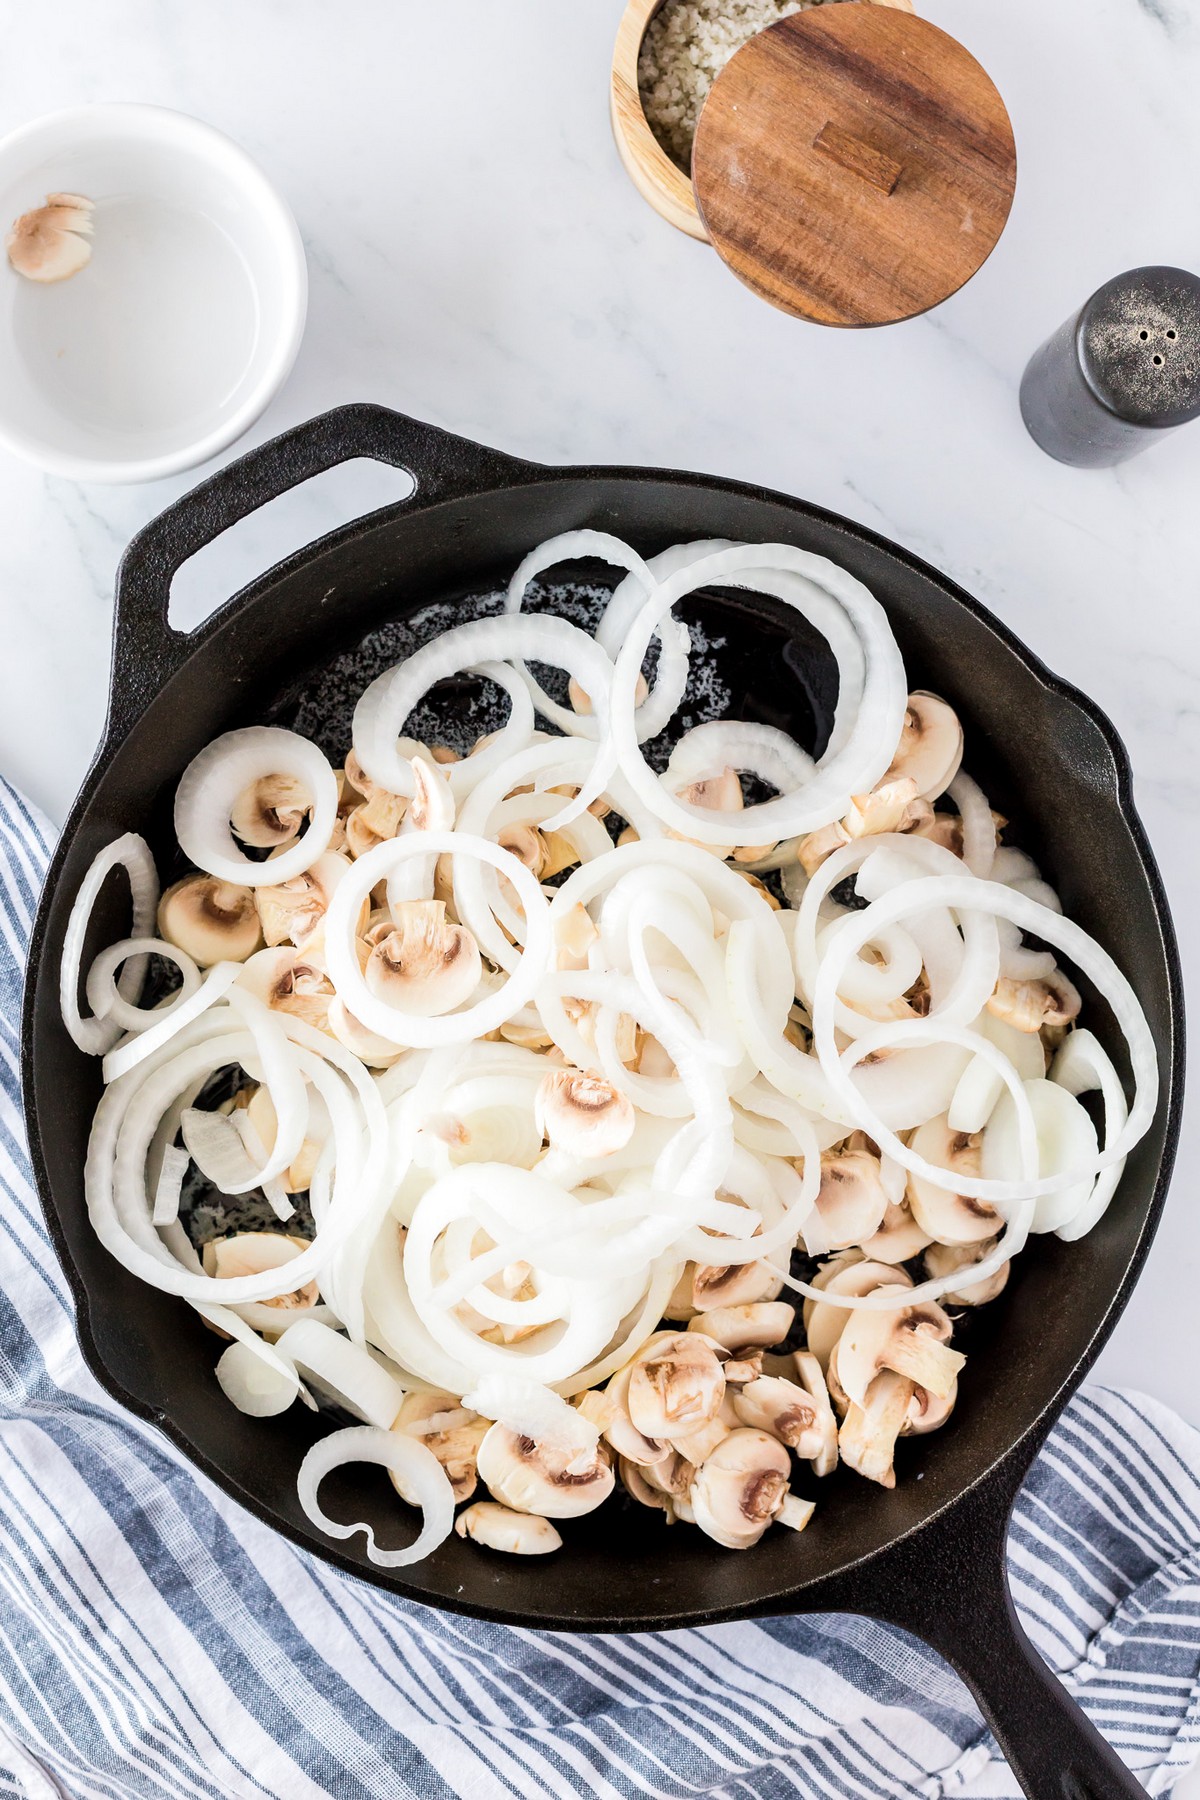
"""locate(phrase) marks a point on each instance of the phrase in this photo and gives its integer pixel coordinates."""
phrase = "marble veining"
(478, 258)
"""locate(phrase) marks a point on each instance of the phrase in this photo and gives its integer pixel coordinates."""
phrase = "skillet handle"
(948, 1584)
(146, 648)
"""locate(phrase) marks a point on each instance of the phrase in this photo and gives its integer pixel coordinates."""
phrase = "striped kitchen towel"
(157, 1641)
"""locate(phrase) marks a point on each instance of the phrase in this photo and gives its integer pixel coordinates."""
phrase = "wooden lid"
(854, 165)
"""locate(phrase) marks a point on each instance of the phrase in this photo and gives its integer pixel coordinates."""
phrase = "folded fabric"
(155, 1640)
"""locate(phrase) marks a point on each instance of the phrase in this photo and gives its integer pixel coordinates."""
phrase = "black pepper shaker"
(1121, 373)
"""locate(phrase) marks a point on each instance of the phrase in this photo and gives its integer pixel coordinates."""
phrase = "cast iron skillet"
(930, 1555)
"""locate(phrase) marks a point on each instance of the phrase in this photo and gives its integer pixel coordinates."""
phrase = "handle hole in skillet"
(322, 504)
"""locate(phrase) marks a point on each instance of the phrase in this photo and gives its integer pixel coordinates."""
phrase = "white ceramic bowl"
(184, 324)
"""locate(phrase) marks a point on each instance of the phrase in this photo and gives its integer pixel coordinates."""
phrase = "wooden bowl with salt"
(656, 176)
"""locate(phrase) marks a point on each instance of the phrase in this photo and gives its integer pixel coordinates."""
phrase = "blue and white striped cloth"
(156, 1641)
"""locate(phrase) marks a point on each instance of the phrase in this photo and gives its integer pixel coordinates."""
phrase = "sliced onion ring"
(412, 1462)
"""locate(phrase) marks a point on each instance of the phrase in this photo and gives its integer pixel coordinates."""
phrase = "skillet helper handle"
(949, 1585)
(146, 649)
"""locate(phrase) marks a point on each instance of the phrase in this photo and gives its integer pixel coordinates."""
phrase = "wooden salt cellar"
(854, 165)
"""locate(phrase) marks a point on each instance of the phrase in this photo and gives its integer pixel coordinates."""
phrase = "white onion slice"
(1082, 1066)
(216, 984)
(212, 783)
(341, 1371)
(169, 1186)
(413, 1464)
(131, 853)
(103, 989)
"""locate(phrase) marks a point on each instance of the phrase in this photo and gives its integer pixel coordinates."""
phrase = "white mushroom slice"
(733, 1284)
(425, 966)
(636, 1485)
(260, 1110)
(252, 1253)
(681, 1307)
(928, 1412)
(854, 1277)
(931, 745)
(582, 1115)
(813, 849)
(811, 1377)
(498, 1528)
(1035, 1005)
(536, 1478)
(899, 1236)
(912, 1341)
(676, 1385)
(574, 935)
(867, 1439)
(741, 1488)
(377, 1052)
(851, 1202)
(286, 981)
(696, 1446)
(948, 1259)
(581, 700)
(270, 811)
(672, 1476)
(883, 809)
(52, 242)
(795, 1512)
(745, 1368)
(447, 1428)
(949, 1218)
(617, 1428)
(432, 805)
(291, 912)
(785, 1410)
(721, 792)
(214, 921)
(740, 1329)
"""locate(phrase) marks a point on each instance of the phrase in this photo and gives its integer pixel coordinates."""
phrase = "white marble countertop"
(478, 258)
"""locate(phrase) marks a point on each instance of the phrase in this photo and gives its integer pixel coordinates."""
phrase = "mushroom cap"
(291, 912)
(899, 1237)
(426, 965)
(734, 1284)
(676, 1385)
(639, 1488)
(927, 1412)
(214, 921)
(824, 1323)
(741, 1488)
(883, 809)
(783, 1408)
(949, 1218)
(582, 1115)
(931, 745)
(912, 1341)
(1050, 1002)
(851, 1202)
(618, 1428)
(287, 981)
(453, 1433)
(270, 811)
(740, 1329)
(948, 1259)
(533, 1478)
(499, 1528)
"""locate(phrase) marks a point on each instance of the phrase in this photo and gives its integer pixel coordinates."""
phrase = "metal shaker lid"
(1138, 341)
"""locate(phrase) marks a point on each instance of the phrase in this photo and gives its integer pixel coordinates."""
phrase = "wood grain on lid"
(854, 165)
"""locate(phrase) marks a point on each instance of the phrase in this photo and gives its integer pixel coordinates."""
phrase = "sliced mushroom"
(741, 1329)
(931, 745)
(899, 1236)
(945, 829)
(851, 1203)
(533, 1478)
(453, 1434)
(634, 1480)
(948, 1259)
(672, 1476)
(254, 1252)
(716, 793)
(618, 1428)
(432, 805)
(260, 1110)
(499, 1528)
(53, 241)
(694, 1447)
(813, 849)
(867, 1439)
(681, 1307)
(425, 965)
(582, 1115)
(760, 887)
(574, 935)
(1052, 1002)
(949, 1218)
(733, 1284)
(795, 1512)
(928, 1412)
(214, 921)
(883, 809)
(851, 1275)
(912, 1340)
(811, 1377)
(377, 1052)
(741, 1488)
(270, 811)
(288, 981)
(374, 822)
(743, 1369)
(291, 912)
(676, 1385)
(785, 1410)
